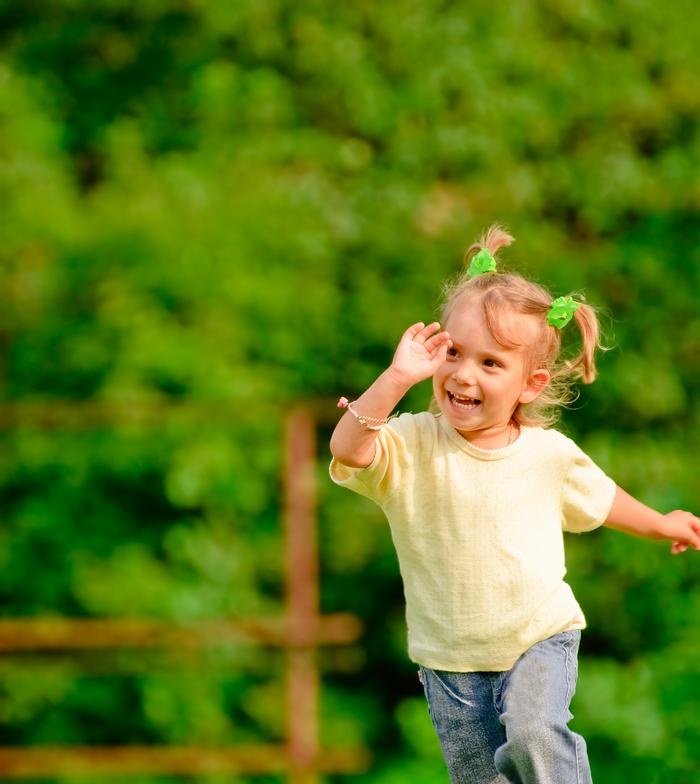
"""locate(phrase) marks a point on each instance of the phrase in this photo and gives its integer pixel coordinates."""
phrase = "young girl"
(477, 497)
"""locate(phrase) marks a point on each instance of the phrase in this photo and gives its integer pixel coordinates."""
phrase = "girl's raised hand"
(421, 350)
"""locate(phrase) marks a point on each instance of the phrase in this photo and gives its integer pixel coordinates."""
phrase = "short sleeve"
(385, 473)
(588, 495)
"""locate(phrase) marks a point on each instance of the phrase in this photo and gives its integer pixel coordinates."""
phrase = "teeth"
(467, 403)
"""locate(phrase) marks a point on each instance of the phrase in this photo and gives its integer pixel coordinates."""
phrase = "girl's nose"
(464, 374)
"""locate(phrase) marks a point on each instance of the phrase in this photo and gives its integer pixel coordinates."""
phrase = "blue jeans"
(511, 727)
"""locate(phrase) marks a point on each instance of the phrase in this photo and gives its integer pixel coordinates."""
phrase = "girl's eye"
(451, 351)
(491, 363)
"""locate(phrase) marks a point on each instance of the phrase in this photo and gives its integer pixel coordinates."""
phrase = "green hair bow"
(561, 312)
(482, 262)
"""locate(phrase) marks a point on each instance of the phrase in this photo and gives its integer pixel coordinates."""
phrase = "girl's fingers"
(413, 330)
(420, 332)
(694, 532)
(430, 332)
(429, 329)
(436, 342)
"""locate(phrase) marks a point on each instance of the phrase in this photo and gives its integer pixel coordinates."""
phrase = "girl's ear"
(534, 385)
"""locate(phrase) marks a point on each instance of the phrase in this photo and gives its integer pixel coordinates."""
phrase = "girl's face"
(481, 382)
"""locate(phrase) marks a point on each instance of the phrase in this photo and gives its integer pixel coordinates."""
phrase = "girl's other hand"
(685, 531)
(421, 350)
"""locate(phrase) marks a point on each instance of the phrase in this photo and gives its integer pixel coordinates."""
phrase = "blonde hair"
(504, 294)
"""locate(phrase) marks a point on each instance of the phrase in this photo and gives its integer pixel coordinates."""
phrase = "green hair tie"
(482, 262)
(561, 312)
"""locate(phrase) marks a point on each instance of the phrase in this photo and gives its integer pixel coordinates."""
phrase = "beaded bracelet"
(371, 423)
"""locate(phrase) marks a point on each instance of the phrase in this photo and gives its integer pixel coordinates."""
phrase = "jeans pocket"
(450, 693)
(423, 677)
(563, 650)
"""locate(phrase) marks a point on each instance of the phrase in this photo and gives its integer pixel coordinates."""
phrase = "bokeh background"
(239, 206)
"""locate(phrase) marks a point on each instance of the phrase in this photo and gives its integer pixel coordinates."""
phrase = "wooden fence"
(299, 632)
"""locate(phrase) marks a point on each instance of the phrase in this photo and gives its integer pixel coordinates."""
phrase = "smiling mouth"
(463, 403)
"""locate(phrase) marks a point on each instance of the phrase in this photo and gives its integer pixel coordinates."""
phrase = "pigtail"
(583, 365)
(492, 240)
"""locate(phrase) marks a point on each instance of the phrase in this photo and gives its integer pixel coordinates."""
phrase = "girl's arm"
(633, 517)
(420, 352)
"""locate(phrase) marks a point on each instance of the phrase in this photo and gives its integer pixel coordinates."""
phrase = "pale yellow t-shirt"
(478, 534)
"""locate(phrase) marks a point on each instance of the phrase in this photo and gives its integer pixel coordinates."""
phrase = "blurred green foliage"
(244, 204)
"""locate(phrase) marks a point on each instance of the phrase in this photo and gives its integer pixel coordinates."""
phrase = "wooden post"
(302, 596)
